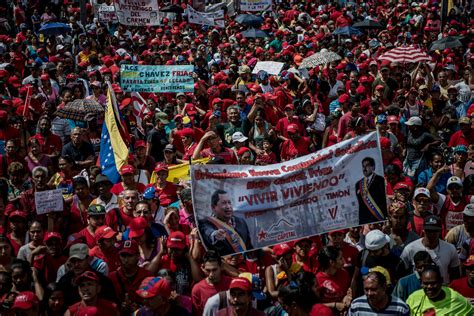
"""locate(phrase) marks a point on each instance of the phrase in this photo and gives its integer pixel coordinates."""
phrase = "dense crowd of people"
(133, 248)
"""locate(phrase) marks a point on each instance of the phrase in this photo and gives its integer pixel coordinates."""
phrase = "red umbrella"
(405, 54)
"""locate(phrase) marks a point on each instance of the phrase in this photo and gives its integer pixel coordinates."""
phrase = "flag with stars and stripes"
(113, 148)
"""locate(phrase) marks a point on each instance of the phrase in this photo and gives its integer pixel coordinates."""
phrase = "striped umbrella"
(405, 54)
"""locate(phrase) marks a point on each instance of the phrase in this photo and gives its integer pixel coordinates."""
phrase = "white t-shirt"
(444, 256)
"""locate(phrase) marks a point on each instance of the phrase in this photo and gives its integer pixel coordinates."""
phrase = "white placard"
(49, 201)
(137, 12)
(272, 67)
(256, 5)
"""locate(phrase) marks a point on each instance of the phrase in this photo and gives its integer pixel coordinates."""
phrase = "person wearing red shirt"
(89, 288)
(344, 122)
(343, 20)
(214, 282)
(95, 219)
(422, 207)
(282, 126)
(18, 226)
(105, 248)
(296, 145)
(187, 137)
(333, 280)
(142, 160)
(48, 259)
(21, 37)
(119, 218)
(51, 144)
(240, 299)
(127, 173)
(465, 285)
(165, 189)
(465, 135)
(129, 275)
(302, 255)
(215, 149)
(349, 252)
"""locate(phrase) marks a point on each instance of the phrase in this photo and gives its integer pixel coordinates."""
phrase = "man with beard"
(436, 299)
(376, 300)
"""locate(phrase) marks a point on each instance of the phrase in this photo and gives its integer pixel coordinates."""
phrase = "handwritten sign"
(148, 78)
(106, 13)
(271, 67)
(49, 201)
(256, 5)
(137, 12)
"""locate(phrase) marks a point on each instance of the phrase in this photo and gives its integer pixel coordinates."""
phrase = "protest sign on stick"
(49, 201)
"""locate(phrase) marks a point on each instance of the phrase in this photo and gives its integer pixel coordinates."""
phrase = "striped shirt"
(360, 306)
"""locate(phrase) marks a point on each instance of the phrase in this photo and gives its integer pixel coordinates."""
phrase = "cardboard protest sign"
(137, 12)
(148, 78)
(239, 208)
(256, 5)
(202, 18)
(272, 67)
(49, 201)
(106, 13)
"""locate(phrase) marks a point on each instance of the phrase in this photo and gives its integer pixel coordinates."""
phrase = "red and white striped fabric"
(405, 54)
(139, 110)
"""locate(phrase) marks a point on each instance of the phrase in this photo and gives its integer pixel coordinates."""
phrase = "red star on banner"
(262, 235)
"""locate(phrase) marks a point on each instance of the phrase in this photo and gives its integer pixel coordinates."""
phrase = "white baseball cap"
(421, 191)
(414, 121)
(469, 210)
(454, 180)
(238, 137)
(375, 240)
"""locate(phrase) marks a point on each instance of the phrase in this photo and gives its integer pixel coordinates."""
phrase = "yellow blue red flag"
(113, 149)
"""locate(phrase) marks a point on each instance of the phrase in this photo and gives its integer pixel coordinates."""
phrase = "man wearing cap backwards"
(240, 299)
(89, 288)
(128, 276)
(462, 236)
(223, 231)
(370, 191)
(106, 198)
(26, 304)
(450, 206)
(444, 254)
(79, 262)
(156, 293)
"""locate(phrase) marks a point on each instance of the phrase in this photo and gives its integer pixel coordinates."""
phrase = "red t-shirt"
(202, 291)
(349, 254)
(458, 138)
(15, 245)
(50, 143)
(333, 288)
(111, 219)
(226, 153)
(418, 221)
(282, 126)
(90, 240)
(123, 284)
(461, 286)
(48, 266)
(118, 188)
(104, 308)
(168, 194)
(291, 150)
(112, 258)
(189, 151)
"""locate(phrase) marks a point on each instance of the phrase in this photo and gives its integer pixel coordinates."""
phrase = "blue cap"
(381, 118)
(217, 113)
(435, 88)
(257, 287)
(262, 75)
(149, 193)
(460, 149)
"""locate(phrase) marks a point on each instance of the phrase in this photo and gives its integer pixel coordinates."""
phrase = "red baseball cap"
(104, 232)
(290, 107)
(161, 166)
(139, 143)
(343, 98)
(470, 261)
(137, 227)
(281, 249)
(292, 128)
(385, 143)
(393, 119)
(176, 240)
(189, 132)
(379, 87)
(241, 283)
(17, 213)
(402, 186)
(88, 275)
(127, 169)
(153, 286)
(25, 301)
(130, 247)
(51, 235)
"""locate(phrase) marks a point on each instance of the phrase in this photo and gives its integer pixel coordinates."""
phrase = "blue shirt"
(406, 286)
(427, 174)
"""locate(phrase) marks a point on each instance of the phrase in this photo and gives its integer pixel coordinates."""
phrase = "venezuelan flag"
(113, 148)
(179, 172)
